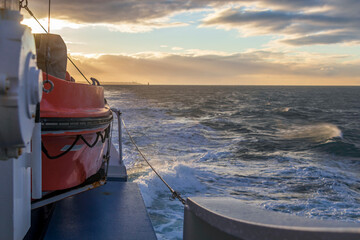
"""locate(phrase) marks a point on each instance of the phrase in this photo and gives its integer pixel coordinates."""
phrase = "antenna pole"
(49, 16)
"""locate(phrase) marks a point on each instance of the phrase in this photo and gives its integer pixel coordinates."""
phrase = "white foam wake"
(182, 177)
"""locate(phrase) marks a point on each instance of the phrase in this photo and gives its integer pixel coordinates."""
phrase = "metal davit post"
(118, 114)
(20, 92)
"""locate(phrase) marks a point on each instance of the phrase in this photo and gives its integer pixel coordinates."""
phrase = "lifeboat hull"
(75, 132)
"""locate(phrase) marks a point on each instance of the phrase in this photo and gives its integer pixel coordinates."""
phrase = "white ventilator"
(20, 136)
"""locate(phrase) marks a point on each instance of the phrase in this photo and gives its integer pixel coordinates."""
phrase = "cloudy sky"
(280, 42)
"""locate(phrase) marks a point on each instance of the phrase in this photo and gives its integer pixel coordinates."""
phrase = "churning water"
(289, 149)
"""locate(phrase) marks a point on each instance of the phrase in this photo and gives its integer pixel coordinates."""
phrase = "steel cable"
(25, 6)
(175, 194)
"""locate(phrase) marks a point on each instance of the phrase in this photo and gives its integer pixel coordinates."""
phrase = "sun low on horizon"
(264, 42)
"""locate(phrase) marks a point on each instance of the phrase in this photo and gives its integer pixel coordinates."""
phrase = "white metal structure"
(20, 92)
(9, 4)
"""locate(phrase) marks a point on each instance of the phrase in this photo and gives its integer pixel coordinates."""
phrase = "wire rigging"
(24, 4)
(78, 69)
(49, 16)
(175, 194)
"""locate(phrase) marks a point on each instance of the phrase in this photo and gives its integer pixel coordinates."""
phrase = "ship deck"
(113, 211)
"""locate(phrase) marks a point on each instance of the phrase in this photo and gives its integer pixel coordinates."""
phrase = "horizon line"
(224, 85)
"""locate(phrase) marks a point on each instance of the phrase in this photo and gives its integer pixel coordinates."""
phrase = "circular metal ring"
(51, 86)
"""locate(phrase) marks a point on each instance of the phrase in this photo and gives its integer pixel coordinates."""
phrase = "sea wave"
(300, 154)
(283, 109)
(167, 216)
(182, 176)
(321, 132)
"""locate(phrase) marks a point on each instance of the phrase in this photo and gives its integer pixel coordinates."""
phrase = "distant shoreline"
(121, 83)
(219, 85)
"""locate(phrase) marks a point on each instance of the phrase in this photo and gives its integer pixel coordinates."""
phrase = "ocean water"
(288, 149)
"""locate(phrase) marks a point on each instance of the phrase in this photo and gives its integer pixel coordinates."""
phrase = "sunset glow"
(210, 42)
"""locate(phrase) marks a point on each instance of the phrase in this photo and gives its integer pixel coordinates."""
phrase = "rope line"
(25, 6)
(78, 69)
(45, 151)
(78, 137)
(175, 194)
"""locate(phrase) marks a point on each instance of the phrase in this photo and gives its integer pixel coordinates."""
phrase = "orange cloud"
(237, 69)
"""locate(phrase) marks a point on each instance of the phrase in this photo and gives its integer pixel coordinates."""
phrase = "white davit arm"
(20, 92)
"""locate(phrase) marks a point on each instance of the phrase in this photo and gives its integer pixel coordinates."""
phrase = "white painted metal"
(15, 198)
(228, 218)
(116, 168)
(19, 72)
(117, 112)
(36, 169)
(9, 4)
(20, 91)
(66, 194)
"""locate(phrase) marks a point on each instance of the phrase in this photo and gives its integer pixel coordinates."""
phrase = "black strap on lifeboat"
(78, 137)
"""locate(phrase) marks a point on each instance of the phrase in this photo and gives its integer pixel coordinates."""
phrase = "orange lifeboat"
(75, 122)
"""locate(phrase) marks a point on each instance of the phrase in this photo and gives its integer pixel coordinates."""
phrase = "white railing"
(117, 111)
